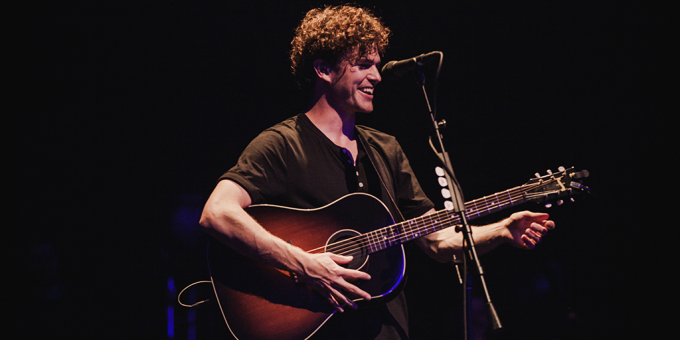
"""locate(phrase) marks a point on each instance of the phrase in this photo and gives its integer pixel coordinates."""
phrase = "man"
(315, 158)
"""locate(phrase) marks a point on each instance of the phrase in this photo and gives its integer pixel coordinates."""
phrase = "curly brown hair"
(329, 33)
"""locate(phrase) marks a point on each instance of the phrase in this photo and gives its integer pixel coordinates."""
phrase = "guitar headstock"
(564, 182)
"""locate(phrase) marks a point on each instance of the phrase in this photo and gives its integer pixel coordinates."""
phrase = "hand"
(526, 228)
(323, 273)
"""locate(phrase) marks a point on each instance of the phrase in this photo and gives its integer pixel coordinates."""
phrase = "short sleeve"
(411, 198)
(261, 168)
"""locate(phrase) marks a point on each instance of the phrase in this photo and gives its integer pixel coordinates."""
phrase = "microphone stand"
(458, 207)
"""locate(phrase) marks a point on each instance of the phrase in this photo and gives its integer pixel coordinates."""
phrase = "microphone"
(395, 69)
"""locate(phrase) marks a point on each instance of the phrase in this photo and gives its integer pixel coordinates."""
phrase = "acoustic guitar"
(264, 303)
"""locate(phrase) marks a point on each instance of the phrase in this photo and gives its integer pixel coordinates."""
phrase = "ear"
(323, 71)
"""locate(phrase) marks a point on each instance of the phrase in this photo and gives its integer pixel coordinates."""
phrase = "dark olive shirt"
(294, 164)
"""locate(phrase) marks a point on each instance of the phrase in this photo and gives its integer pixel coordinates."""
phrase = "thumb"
(341, 258)
(534, 216)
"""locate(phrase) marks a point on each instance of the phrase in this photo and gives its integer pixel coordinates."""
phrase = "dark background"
(128, 112)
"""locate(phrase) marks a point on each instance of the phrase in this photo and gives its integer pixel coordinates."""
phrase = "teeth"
(367, 90)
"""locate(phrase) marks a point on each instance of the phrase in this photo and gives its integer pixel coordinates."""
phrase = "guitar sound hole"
(346, 242)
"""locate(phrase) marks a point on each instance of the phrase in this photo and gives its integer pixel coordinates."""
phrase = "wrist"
(503, 230)
(298, 260)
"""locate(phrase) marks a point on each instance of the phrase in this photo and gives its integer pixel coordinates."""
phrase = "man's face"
(352, 84)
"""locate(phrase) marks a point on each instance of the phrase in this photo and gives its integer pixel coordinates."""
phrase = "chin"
(366, 109)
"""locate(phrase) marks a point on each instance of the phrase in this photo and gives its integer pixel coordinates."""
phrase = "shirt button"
(357, 173)
(361, 185)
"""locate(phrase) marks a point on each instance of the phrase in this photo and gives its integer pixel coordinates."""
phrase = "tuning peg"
(561, 169)
(581, 174)
(572, 199)
(537, 175)
(549, 172)
(560, 202)
(548, 205)
(446, 193)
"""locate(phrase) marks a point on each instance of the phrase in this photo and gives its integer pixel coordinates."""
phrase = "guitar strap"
(372, 158)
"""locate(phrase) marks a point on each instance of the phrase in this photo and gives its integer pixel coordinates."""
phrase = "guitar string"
(435, 222)
(425, 223)
(440, 220)
(431, 221)
(372, 239)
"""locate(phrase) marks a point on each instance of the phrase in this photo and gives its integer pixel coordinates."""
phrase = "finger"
(354, 274)
(538, 217)
(528, 242)
(341, 299)
(549, 224)
(353, 289)
(334, 303)
(342, 259)
(531, 215)
(533, 235)
(539, 229)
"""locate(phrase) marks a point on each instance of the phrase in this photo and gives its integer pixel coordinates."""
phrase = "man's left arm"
(522, 229)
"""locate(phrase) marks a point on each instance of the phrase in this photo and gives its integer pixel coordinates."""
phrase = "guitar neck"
(420, 226)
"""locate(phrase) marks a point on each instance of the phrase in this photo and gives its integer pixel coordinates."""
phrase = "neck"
(336, 124)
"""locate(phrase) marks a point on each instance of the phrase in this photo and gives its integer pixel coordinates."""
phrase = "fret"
(390, 235)
(495, 204)
(411, 230)
(398, 232)
(443, 216)
(441, 225)
(456, 220)
(429, 223)
(413, 224)
(469, 213)
(376, 240)
(426, 226)
(369, 240)
(384, 238)
(376, 243)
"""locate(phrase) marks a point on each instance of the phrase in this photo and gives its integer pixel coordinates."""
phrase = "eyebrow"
(364, 60)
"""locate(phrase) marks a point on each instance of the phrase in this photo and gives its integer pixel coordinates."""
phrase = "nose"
(374, 75)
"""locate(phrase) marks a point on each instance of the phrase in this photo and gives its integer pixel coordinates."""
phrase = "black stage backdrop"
(129, 111)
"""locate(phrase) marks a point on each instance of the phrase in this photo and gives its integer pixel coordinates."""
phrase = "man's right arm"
(225, 219)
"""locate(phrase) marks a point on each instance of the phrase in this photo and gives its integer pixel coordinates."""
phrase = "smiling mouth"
(367, 90)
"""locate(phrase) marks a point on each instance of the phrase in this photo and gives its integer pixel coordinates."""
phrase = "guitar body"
(262, 302)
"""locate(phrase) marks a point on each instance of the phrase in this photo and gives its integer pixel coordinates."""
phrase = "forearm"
(225, 219)
(444, 244)
(239, 231)
(522, 229)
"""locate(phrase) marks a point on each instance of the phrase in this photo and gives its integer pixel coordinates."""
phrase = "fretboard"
(408, 230)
